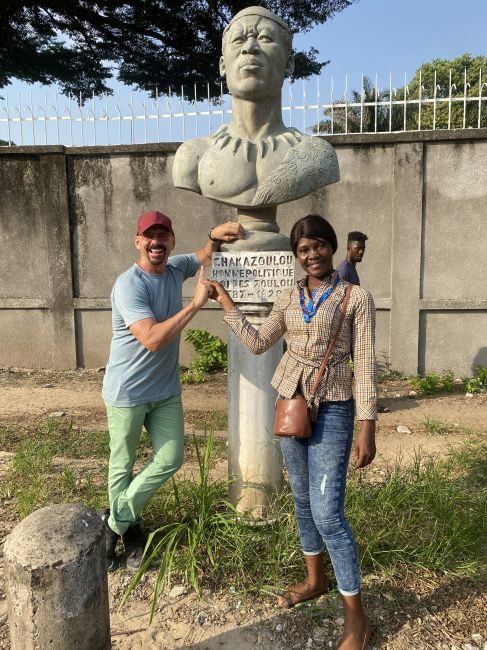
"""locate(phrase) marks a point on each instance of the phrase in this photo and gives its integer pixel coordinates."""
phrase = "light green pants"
(128, 495)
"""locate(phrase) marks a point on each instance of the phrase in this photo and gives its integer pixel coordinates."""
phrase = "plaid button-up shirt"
(307, 344)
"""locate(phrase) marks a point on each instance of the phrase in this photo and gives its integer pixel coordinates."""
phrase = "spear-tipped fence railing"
(47, 117)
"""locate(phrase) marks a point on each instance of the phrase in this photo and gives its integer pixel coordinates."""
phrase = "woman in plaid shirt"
(317, 466)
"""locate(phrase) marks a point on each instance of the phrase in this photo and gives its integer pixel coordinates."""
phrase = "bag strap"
(331, 344)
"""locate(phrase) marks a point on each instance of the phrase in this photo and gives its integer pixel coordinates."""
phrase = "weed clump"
(436, 427)
(385, 372)
(477, 384)
(210, 356)
(433, 382)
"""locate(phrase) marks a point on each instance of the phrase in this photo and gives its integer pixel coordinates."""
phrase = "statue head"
(256, 54)
(227, 166)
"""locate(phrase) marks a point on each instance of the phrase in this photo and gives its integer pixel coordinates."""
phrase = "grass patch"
(207, 420)
(430, 513)
(59, 436)
(203, 539)
(44, 466)
(195, 445)
(74, 443)
(436, 427)
(32, 460)
(434, 382)
(36, 480)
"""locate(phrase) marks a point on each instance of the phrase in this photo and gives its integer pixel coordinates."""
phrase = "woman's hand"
(220, 294)
(365, 445)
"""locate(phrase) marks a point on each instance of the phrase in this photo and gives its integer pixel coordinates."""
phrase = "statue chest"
(232, 174)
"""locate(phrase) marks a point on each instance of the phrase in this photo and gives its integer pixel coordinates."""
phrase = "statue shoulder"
(319, 152)
(307, 166)
(186, 161)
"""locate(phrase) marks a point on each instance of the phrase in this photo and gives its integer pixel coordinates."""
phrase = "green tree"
(149, 43)
(463, 67)
(390, 116)
(372, 115)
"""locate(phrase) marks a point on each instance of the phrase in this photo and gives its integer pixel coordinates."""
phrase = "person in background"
(355, 252)
(141, 385)
(317, 466)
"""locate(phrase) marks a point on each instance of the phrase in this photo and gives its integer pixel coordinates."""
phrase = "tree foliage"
(149, 43)
(376, 113)
(372, 116)
(464, 67)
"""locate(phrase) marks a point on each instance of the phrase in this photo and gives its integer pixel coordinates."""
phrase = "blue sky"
(394, 36)
(370, 37)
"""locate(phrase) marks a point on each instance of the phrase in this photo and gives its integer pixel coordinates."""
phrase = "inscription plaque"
(254, 276)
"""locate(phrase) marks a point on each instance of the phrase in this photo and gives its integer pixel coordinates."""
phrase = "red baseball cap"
(153, 218)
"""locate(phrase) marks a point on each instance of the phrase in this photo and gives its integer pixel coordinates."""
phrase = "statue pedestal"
(262, 232)
(255, 462)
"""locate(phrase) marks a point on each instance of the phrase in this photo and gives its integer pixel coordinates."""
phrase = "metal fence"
(314, 106)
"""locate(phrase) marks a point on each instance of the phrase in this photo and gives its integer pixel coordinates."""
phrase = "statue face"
(255, 58)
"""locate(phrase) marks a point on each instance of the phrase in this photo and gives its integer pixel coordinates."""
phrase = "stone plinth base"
(57, 590)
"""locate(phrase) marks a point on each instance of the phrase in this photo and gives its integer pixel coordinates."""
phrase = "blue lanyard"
(310, 309)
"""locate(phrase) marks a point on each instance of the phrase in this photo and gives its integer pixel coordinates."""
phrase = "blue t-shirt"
(347, 271)
(135, 375)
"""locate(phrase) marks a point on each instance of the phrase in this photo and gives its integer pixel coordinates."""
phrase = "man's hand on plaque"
(229, 231)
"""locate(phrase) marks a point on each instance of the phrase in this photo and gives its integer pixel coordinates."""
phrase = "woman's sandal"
(289, 603)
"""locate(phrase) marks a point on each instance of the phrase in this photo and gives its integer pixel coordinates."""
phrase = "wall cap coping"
(408, 136)
(438, 135)
(39, 150)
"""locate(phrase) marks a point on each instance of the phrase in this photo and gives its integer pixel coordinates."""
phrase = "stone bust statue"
(255, 161)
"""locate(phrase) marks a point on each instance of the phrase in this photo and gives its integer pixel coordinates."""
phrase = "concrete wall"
(67, 218)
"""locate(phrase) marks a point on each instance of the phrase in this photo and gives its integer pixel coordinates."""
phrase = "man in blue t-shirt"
(355, 251)
(141, 385)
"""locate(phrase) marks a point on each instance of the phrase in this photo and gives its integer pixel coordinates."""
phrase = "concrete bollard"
(57, 588)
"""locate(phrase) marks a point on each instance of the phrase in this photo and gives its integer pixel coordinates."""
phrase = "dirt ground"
(425, 612)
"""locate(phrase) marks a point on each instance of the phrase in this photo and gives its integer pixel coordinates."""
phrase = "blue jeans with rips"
(317, 470)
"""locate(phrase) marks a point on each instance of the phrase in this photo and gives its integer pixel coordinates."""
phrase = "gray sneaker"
(111, 540)
(134, 542)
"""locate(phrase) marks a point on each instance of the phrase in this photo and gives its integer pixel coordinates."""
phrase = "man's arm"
(229, 231)
(154, 336)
